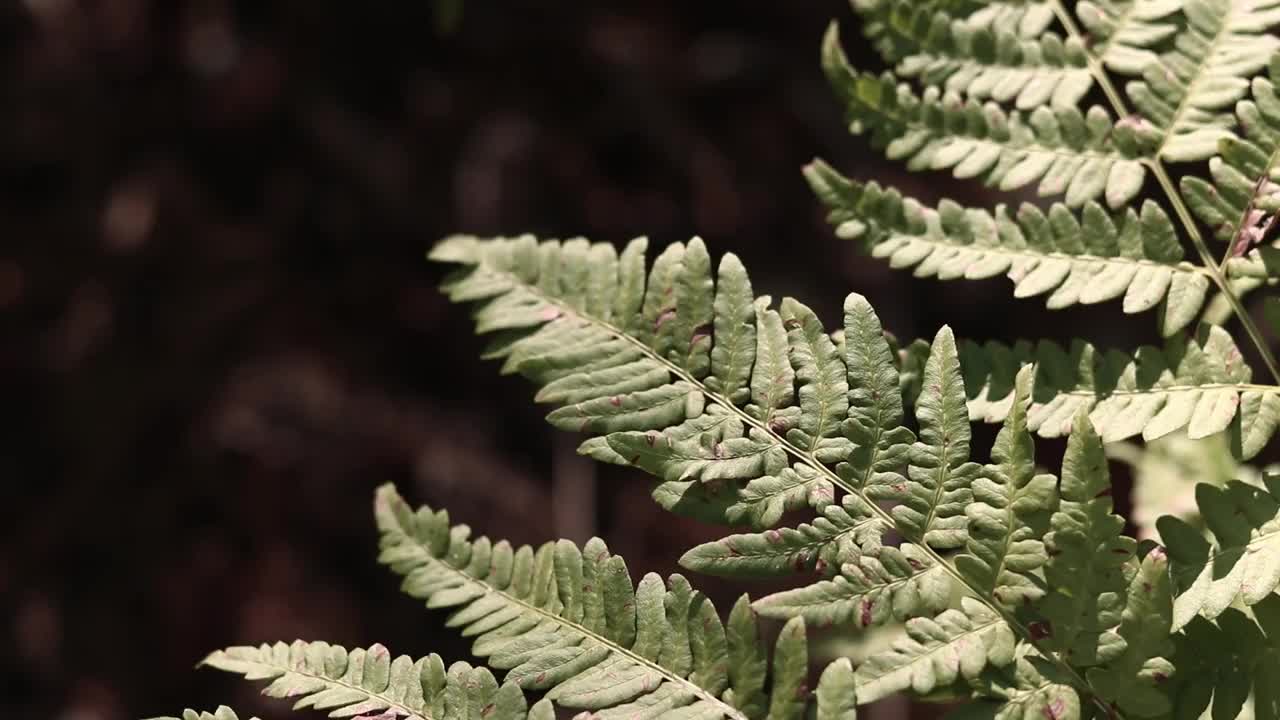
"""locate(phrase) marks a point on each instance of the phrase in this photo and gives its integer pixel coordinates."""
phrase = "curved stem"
(1219, 279)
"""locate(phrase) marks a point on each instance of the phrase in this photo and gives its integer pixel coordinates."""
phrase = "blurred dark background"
(218, 334)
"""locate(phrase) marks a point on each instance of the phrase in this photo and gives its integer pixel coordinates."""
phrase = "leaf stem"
(1219, 279)
(1095, 63)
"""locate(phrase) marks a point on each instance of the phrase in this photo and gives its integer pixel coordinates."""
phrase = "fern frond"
(981, 60)
(1010, 513)
(1199, 384)
(1025, 694)
(898, 29)
(1244, 192)
(1088, 555)
(1229, 666)
(222, 713)
(823, 402)
(1188, 94)
(368, 682)
(822, 546)
(1078, 259)
(876, 584)
(1123, 33)
(1243, 566)
(1133, 680)
(1080, 155)
(937, 490)
(570, 622)
(957, 645)
(837, 698)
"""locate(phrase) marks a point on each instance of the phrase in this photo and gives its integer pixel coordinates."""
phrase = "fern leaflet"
(368, 682)
(1077, 259)
(570, 622)
(1243, 567)
(1080, 155)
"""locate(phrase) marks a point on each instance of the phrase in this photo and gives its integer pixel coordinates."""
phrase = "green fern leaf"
(368, 682)
(1024, 693)
(568, 621)
(1066, 152)
(1186, 96)
(874, 426)
(1083, 259)
(1165, 473)
(1010, 513)
(837, 696)
(984, 60)
(1230, 664)
(1123, 32)
(222, 713)
(790, 695)
(821, 546)
(876, 585)
(1243, 567)
(1088, 554)
(1133, 680)
(956, 645)
(940, 475)
(898, 29)
(1198, 383)
(823, 400)
(748, 663)
(1243, 194)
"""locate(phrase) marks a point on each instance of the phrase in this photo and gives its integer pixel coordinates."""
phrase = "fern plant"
(1016, 592)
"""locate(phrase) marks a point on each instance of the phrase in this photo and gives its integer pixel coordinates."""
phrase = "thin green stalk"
(1193, 231)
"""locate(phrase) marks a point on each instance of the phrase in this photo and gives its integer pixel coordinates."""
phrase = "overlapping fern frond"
(570, 622)
(1244, 194)
(1191, 61)
(1189, 91)
(1229, 666)
(781, 416)
(1242, 567)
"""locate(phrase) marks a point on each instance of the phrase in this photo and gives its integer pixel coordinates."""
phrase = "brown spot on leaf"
(1054, 710)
